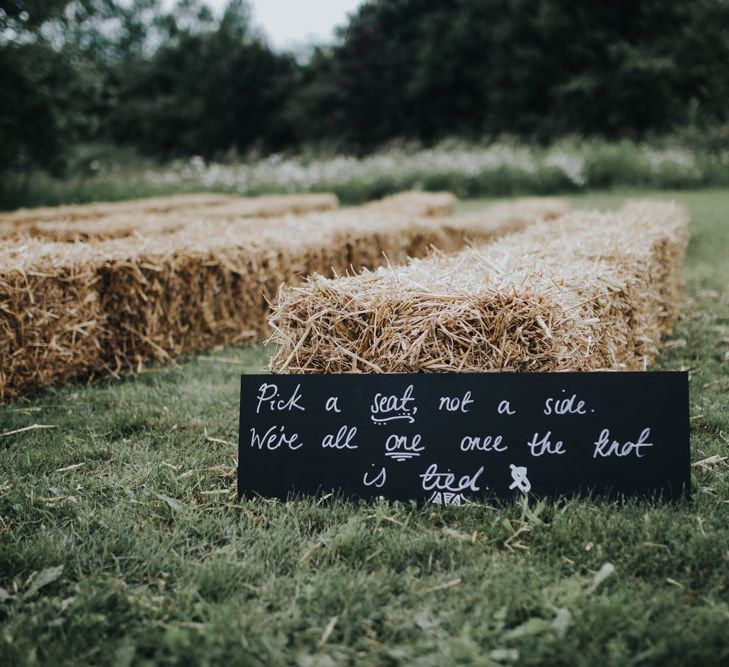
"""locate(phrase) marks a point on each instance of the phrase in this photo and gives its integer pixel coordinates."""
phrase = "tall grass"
(469, 170)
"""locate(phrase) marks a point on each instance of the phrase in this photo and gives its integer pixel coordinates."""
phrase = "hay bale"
(91, 230)
(113, 306)
(510, 216)
(427, 204)
(27, 216)
(96, 222)
(50, 318)
(212, 284)
(273, 206)
(589, 291)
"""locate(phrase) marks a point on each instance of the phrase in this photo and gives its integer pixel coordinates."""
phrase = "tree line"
(179, 81)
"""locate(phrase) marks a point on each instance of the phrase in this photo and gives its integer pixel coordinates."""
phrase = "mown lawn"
(121, 541)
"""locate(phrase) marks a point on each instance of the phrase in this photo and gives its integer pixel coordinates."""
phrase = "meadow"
(488, 169)
(122, 542)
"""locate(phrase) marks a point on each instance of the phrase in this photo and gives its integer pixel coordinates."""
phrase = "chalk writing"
(485, 443)
(332, 404)
(446, 481)
(565, 406)
(543, 445)
(402, 448)
(606, 446)
(389, 408)
(268, 393)
(447, 498)
(519, 475)
(455, 404)
(274, 438)
(377, 481)
(505, 408)
(342, 439)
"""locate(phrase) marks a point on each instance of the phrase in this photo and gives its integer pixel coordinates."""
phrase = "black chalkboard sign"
(454, 438)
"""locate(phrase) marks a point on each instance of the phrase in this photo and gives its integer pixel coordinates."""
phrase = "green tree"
(206, 91)
(535, 68)
(46, 85)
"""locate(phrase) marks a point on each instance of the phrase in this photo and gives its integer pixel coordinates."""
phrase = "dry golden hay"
(91, 230)
(588, 291)
(102, 209)
(87, 310)
(94, 222)
(428, 204)
(275, 206)
(510, 216)
(50, 319)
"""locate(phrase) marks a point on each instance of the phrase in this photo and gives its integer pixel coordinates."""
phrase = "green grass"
(121, 541)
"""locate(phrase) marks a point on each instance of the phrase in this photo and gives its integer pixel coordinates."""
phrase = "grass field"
(121, 541)
(468, 169)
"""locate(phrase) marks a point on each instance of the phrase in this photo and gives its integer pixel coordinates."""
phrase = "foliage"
(425, 69)
(121, 541)
(205, 92)
(174, 80)
(170, 83)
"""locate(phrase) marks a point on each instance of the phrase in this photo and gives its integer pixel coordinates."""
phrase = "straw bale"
(111, 307)
(510, 216)
(427, 204)
(102, 209)
(91, 229)
(212, 284)
(50, 320)
(588, 291)
(95, 222)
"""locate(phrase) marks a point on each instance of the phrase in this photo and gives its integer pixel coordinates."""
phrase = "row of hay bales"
(266, 206)
(164, 215)
(87, 310)
(588, 291)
